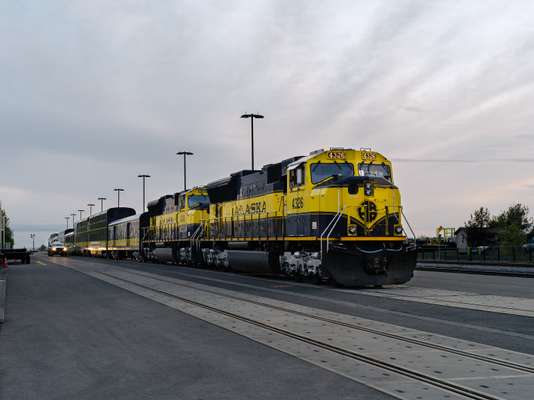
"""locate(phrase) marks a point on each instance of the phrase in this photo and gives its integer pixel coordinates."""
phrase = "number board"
(336, 155)
(368, 156)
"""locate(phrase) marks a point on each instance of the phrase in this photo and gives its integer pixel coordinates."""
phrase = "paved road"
(96, 340)
(476, 283)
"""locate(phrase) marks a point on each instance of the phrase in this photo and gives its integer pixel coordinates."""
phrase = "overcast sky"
(96, 92)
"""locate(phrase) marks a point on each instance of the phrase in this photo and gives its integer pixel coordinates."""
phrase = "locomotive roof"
(109, 212)
(126, 219)
(249, 183)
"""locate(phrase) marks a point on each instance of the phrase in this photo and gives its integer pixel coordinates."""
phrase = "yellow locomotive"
(334, 214)
(172, 223)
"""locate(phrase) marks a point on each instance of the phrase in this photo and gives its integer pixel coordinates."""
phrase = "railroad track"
(434, 346)
(443, 384)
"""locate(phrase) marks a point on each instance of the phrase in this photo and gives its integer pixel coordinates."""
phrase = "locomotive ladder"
(195, 237)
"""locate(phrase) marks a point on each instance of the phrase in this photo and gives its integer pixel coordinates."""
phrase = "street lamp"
(118, 190)
(90, 205)
(32, 236)
(143, 176)
(185, 154)
(81, 213)
(252, 116)
(102, 203)
(67, 219)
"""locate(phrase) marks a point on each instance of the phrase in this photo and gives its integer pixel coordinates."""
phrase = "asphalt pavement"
(69, 336)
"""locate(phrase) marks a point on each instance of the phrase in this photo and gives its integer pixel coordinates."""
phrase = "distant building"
(460, 238)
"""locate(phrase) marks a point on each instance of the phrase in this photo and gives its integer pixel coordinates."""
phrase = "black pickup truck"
(22, 255)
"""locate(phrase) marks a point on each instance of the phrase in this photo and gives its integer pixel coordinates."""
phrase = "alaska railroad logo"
(367, 211)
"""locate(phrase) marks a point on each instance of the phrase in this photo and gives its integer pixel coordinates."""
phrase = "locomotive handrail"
(407, 223)
(194, 237)
(340, 214)
(329, 224)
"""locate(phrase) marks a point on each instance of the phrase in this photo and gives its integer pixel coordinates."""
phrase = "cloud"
(98, 92)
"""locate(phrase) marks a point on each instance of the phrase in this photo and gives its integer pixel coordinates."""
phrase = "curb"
(525, 272)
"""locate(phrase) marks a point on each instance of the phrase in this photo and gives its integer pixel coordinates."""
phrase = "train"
(334, 215)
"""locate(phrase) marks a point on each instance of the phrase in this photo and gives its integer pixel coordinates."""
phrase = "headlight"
(399, 230)
(368, 189)
(352, 229)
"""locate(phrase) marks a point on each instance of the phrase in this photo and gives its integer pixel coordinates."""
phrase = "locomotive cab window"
(296, 176)
(181, 201)
(198, 202)
(322, 171)
(376, 170)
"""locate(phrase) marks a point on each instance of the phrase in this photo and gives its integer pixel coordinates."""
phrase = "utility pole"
(67, 219)
(73, 215)
(185, 154)
(143, 176)
(252, 116)
(102, 203)
(118, 190)
(90, 205)
(81, 213)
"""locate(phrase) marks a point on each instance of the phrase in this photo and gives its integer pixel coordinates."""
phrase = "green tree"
(9, 232)
(512, 236)
(481, 218)
(513, 225)
(478, 228)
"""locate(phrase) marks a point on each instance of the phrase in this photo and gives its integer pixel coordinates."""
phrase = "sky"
(96, 92)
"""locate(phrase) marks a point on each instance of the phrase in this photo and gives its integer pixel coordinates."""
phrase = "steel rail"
(434, 346)
(428, 379)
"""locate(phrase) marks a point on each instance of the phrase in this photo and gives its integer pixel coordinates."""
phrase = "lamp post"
(90, 205)
(252, 116)
(67, 219)
(81, 213)
(143, 177)
(118, 190)
(185, 154)
(32, 236)
(102, 202)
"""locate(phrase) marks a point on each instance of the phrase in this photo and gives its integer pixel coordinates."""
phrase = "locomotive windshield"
(198, 202)
(321, 171)
(376, 170)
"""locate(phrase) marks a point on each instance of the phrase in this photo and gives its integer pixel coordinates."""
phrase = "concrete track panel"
(430, 362)
(472, 301)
